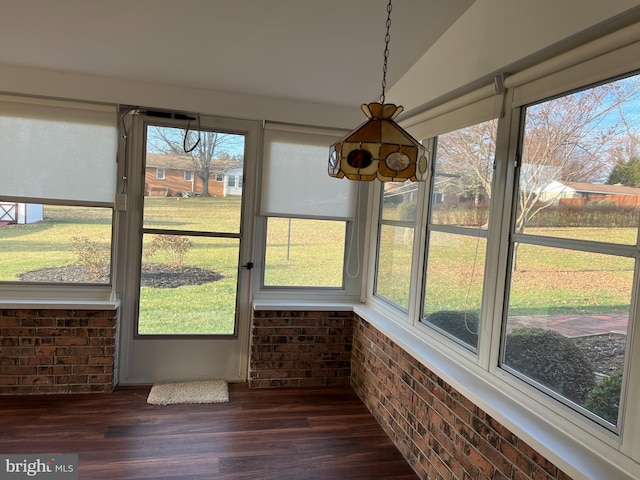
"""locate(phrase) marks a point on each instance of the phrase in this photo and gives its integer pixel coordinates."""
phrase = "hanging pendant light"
(379, 148)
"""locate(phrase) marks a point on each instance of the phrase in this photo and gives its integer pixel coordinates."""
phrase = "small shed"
(21, 213)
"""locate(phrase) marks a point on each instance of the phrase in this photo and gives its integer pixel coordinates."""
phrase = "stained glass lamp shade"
(379, 148)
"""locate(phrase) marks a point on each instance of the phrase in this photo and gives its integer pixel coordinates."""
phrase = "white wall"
(58, 84)
(493, 34)
(490, 35)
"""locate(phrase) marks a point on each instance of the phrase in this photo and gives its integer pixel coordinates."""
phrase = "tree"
(569, 139)
(465, 157)
(626, 173)
(203, 147)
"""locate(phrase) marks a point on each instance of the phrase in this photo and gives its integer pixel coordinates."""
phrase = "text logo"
(49, 467)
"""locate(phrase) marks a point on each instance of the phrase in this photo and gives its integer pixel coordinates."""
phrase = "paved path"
(575, 325)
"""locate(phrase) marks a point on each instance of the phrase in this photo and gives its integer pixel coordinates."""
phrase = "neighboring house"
(580, 193)
(173, 176)
(233, 181)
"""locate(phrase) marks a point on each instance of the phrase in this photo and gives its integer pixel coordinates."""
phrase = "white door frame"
(148, 360)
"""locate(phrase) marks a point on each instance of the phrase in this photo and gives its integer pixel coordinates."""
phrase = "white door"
(185, 280)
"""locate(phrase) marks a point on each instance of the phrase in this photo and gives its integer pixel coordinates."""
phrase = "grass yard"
(546, 280)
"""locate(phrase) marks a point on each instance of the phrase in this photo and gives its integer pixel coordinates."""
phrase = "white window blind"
(615, 54)
(295, 177)
(475, 107)
(57, 150)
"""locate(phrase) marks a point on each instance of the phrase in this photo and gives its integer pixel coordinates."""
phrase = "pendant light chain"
(386, 53)
(379, 148)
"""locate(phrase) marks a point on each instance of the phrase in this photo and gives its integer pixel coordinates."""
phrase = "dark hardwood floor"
(298, 434)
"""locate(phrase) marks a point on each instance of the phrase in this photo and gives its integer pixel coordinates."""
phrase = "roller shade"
(478, 106)
(295, 178)
(57, 150)
(609, 56)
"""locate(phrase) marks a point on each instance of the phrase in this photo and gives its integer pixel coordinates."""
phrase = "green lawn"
(563, 282)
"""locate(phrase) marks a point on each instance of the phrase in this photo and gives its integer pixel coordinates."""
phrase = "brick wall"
(300, 349)
(441, 433)
(56, 351)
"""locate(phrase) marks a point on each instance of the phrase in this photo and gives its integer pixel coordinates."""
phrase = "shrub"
(603, 204)
(92, 255)
(407, 212)
(604, 399)
(552, 360)
(462, 325)
(173, 248)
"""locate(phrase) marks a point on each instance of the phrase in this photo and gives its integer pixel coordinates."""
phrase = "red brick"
(100, 360)
(72, 341)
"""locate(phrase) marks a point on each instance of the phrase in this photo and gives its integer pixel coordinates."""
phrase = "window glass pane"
(394, 264)
(304, 253)
(463, 176)
(567, 323)
(202, 203)
(53, 243)
(455, 274)
(188, 285)
(581, 165)
(399, 201)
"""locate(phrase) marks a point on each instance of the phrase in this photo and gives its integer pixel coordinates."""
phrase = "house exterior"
(172, 176)
(581, 193)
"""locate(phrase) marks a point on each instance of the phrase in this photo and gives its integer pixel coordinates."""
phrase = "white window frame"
(16, 294)
(160, 173)
(188, 175)
(579, 446)
(354, 240)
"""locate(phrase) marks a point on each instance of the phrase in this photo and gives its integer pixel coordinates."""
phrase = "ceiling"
(326, 51)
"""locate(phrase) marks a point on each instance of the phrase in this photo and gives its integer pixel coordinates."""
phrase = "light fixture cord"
(387, 37)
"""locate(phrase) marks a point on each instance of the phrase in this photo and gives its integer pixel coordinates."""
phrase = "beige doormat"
(208, 391)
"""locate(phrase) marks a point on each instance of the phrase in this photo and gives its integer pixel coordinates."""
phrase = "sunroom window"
(457, 231)
(395, 242)
(57, 187)
(308, 214)
(573, 248)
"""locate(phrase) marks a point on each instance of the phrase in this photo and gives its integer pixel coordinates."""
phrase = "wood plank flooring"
(297, 434)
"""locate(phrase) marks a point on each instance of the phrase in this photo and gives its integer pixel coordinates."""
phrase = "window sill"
(568, 452)
(23, 304)
(316, 306)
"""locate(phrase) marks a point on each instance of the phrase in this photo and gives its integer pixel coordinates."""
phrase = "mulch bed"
(153, 275)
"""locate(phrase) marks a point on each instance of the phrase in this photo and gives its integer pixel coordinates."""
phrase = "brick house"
(171, 176)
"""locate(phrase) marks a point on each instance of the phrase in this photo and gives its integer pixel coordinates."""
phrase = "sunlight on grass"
(312, 255)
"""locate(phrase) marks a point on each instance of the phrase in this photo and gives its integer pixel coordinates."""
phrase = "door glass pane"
(210, 199)
(455, 274)
(188, 285)
(567, 323)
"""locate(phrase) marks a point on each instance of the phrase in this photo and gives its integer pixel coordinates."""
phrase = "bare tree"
(464, 169)
(203, 147)
(465, 157)
(569, 139)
